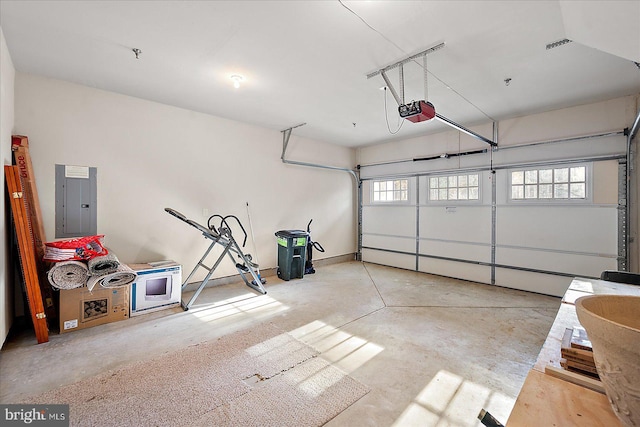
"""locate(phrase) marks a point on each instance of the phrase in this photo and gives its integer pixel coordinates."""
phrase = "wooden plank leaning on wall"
(22, 159)
(27, 252)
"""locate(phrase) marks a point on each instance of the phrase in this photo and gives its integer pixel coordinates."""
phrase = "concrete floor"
(433, 350)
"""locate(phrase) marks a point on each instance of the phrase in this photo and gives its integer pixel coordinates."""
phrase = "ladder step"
(204, 266)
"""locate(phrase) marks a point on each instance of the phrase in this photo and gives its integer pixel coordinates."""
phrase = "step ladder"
(221, 235)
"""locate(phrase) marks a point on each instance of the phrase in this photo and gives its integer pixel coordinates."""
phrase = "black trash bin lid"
(291, 234)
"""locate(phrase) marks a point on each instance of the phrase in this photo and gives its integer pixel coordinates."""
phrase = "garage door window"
(546, 184)
(454, 187)
(396, 190)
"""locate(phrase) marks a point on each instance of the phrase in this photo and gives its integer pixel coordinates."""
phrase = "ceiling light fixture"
(558, 43)
(236, 78)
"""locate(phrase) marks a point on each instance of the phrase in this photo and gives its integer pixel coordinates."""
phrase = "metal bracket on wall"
(286, 134)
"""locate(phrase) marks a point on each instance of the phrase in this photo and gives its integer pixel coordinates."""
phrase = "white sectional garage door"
(535, 234)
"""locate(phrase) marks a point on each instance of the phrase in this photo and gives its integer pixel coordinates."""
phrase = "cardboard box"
(81, 309)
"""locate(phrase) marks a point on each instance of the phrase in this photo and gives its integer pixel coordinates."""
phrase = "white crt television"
(157, 287)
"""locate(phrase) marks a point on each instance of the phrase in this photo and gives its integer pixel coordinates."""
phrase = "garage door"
(527, 217)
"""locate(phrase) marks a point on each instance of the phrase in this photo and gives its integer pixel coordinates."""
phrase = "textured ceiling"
(307, 61)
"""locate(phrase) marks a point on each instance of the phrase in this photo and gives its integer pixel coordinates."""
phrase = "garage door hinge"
(40, 315)
(17, 194)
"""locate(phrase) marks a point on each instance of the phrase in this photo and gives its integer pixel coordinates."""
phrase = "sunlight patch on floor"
(451, 400)
(320, 381)
(346, 351)
(246, 305)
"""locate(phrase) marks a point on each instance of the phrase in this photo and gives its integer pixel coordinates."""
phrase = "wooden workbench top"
(548, 401)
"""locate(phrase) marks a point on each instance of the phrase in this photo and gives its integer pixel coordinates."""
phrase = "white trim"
(390, 202)
(454, 202)
(552, 201)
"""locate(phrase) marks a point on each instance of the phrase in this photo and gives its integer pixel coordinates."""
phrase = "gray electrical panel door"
(76, 201)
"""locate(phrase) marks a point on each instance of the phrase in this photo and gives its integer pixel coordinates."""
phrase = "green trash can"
(292, 253)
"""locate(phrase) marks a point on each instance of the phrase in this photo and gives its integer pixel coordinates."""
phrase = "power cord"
(386, 115)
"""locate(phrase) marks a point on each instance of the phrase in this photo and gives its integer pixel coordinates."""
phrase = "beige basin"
(612, 323)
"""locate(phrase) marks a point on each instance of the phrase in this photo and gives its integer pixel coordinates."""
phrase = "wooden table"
(548, 401)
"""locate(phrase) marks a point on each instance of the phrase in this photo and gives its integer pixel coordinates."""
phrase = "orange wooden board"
(22, 159)
(27, 253)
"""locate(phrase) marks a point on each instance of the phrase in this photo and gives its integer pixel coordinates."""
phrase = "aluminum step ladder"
(223, 236)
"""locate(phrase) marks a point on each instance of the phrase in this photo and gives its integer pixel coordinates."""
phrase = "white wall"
(7, 76)
(150, 156)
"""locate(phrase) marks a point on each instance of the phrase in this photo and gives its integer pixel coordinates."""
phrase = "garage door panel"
(459, 270)
(471, 224)
(403, 244)
(408, 262)
(389, 220)
(571, 228)
(533, 282)
(458, 250)
(579, 264)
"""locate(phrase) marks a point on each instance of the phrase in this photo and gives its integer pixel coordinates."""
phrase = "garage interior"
(454, 238)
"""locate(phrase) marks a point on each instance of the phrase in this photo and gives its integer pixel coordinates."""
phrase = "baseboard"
(334, 260)
(268, 272)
